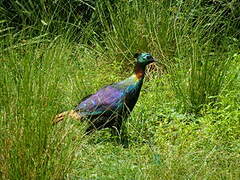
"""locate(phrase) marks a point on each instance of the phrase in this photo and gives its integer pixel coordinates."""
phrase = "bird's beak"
(154, 60)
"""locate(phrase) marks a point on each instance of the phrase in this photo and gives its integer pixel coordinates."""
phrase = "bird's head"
(144, 58)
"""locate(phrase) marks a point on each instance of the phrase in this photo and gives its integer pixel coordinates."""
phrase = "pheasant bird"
(110, 105)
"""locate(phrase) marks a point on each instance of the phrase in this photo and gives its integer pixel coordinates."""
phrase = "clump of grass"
(203, 55)
(190, 39)
(46, 16)
(32, 77)
(142, 30)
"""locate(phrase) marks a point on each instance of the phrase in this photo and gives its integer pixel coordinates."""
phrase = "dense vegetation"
(186, 123)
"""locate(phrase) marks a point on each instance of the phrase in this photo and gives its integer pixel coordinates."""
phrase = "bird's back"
(112, 98)
(108, 106)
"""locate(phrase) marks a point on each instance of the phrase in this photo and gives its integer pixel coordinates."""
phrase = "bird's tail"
(71, 114)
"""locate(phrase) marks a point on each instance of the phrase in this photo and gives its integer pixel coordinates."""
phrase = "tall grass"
(31, 80)
(203, 54)
(190, 39)
(55, 53)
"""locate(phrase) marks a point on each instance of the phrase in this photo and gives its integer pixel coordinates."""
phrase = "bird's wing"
(106, 99)
(83, 99)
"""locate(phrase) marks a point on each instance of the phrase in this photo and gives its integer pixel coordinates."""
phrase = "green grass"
(185, 124)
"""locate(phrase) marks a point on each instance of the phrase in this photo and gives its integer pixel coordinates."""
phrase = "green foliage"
(205, 45)
(46, 15)
(53, 54)
(135, 26)
(31, 93)
(192, 40)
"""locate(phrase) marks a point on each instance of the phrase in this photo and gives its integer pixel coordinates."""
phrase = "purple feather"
(108, 98)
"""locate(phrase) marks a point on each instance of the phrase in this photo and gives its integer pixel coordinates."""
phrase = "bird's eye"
(149, 57)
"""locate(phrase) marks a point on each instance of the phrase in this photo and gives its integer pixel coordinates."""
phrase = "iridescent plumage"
(111, 104)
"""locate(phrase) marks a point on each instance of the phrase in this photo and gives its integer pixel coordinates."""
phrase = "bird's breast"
(132, 95)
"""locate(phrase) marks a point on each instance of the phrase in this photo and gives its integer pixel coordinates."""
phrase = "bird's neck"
(139, 71)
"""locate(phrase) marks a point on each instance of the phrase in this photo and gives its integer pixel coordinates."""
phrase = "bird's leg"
(90, 130)
(121, 133)
(124, 137)
(115, 131)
